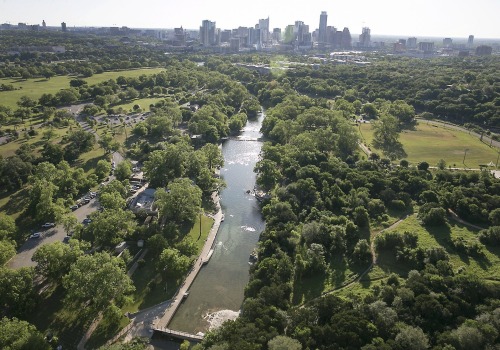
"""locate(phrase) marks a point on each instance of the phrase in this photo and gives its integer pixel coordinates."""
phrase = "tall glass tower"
(322, 35)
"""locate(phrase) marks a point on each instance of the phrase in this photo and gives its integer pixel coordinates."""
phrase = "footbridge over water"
(196, 338)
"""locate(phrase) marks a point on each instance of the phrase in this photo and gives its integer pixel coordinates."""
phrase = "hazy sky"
(453, 18)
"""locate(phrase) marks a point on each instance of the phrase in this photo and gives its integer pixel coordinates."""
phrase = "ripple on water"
(216, 319)
(248, 228)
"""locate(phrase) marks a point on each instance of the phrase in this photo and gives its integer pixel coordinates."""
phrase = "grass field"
(430, 143)
(34, 88)
(487, 267)
(143, 102)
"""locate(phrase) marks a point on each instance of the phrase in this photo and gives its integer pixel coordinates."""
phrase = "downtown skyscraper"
(322, 32)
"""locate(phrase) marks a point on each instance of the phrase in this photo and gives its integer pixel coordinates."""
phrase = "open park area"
(430, 143)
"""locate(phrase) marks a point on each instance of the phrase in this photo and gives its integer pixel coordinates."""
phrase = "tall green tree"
(98, 279)
(181, 202)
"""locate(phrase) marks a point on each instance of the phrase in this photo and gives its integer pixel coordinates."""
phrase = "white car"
(48, 225)
(35, 235)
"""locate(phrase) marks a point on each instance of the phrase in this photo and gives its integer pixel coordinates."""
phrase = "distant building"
(277, 34)
(426, 47)
(402, 42)
(411, 43)
(207, 33)
(225, 36)
(484, 50)
(470, 41)
(179, 37)
(265, 37)
(63, 26)
(346, 39)
(322, 32)
(447, 42)
(44, 25)
(22, 26)
(235, 44)
(365, 38)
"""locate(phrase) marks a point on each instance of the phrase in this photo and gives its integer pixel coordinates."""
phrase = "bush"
(432, 214)
(490, 236)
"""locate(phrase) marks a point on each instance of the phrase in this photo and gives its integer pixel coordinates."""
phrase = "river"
(217, 292)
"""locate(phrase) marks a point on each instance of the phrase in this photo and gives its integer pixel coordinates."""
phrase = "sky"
(432, 18)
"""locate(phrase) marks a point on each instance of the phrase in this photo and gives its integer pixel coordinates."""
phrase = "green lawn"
(34, 88)
(430, 143)
(150, 285)
(144, 103)
(487, 267)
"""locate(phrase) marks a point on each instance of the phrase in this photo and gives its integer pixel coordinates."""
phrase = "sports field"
(431, 143)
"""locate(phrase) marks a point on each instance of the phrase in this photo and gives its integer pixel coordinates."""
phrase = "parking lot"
(26, 251)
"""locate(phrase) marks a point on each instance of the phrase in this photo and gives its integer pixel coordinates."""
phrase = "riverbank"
(209, 243)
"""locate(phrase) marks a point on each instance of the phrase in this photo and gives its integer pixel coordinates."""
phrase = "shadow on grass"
(17, 202)
(308, 288)
(52, 316)
(107, 329)
(151, 288)
(92, 162)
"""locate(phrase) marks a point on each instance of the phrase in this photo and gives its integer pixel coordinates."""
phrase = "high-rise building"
(447, 42)
(470, 42)
(426, 47)
(44, 25)
(411, 43)
(207, 33)
(365, 38)
(179, 36)
(322, 32)
(484, 50)
(277, 34)
(346, 39)
(225, 36)
(264, 31)
(63, 26)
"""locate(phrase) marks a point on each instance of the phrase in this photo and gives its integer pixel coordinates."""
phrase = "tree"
(108, 143)
(123, 170)
(411, 338)
(26, 102)
(112, 201)
(173, 263)
(54, 260)
(102, 168)
(17, 294)
(281, 342)
(17, 334)
(214, 155)
(181, 203)
(98, 279)
(7, 250)
(110, 227)
(386, 137)
(494, 217)
(7, 227)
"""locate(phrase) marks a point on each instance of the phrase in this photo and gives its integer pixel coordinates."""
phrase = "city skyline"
(445, 18)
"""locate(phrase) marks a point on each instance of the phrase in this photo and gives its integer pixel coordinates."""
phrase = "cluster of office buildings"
(297, 37)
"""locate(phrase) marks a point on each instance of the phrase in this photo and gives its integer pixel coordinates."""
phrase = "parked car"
(66, 239)
(74, 207)
(86, 200)
(48, 225)
(86, 221)
(35, 235)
